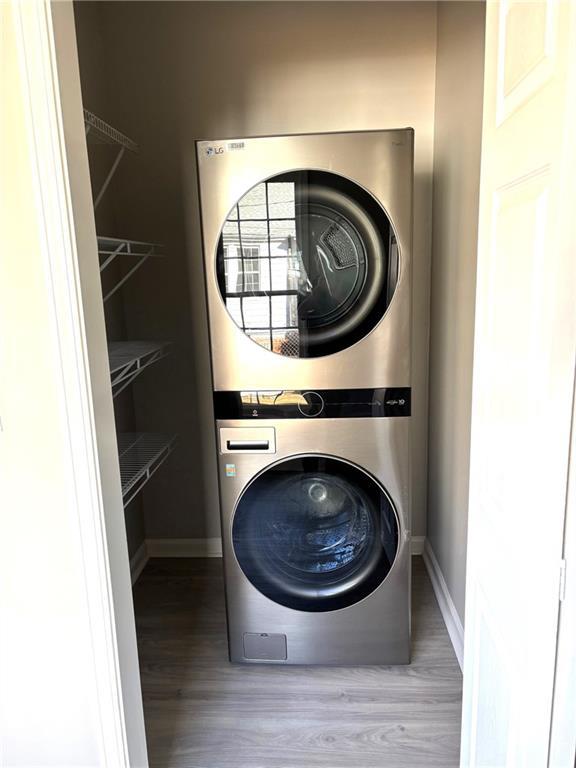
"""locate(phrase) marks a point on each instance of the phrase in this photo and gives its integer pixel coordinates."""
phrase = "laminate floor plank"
(203, 712)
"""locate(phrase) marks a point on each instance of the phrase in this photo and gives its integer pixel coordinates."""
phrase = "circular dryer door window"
(307, 263)
(315, 533)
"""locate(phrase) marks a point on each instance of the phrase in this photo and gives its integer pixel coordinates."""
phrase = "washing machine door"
(307, 263)
(315, 533)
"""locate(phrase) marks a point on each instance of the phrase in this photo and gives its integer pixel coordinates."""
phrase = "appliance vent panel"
(265, 647)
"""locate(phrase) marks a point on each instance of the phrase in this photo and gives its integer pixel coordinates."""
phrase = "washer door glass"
(315, 533)
(307, 263)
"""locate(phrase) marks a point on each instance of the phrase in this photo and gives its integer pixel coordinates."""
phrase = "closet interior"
(407, 64)
(156, 77)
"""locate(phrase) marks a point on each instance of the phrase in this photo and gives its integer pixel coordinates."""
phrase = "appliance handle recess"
(248, 445)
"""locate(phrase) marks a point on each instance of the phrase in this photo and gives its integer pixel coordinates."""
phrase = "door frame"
(45, 41)
(562, 752)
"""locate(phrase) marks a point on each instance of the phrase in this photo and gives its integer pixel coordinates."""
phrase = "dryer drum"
(340, 236)
(307, 263)
(315, 533)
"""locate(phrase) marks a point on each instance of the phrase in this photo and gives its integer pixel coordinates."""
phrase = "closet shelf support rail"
(110, 248)
(141, 454)
(100, 132)
(129, 358)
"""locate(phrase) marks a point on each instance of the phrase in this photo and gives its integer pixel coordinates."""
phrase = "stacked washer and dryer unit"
(307, 246)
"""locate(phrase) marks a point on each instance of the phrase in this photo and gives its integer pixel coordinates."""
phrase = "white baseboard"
(138, 562)
(184, 547)
(417, 545)
(447, 607)
(213, 547)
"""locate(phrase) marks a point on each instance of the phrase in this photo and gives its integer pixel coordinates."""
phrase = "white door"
(523, 380)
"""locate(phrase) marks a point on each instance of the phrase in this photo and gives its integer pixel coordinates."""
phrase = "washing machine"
(307, 246)
(315, 505)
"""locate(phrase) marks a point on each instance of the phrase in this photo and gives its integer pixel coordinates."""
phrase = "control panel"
(313, 404)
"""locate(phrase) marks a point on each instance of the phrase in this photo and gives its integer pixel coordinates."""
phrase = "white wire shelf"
(98, 131)
(129, 358)
(141, 454)
(110, 248)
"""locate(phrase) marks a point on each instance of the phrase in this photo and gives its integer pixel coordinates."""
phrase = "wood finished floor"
(203, 712)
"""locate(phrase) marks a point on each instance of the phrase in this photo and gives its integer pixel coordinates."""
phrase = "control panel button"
(313, 405)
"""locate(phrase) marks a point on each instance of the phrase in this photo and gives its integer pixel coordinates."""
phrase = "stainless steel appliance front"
(307, 247)
(371, 628)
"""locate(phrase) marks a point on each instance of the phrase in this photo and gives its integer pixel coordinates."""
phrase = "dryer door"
(315, 533)
(307, 263)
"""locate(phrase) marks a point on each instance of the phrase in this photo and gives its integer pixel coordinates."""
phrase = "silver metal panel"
(379, 161)
(375, 630)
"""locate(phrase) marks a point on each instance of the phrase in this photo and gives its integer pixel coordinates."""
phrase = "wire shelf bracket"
(100, 132)
(110, 248)
(141, 454)
(129, 358)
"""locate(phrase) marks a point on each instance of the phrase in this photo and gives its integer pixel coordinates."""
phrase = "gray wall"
(182, 71)
(458, 125)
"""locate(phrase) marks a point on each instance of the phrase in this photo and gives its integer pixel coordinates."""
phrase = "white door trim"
(562, 752)
(56, 205)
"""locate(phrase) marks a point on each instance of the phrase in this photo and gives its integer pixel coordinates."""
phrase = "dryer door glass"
(315, 534)
(307, 263)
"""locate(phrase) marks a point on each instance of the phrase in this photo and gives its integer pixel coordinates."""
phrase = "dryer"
(315, 504)
(307, 248)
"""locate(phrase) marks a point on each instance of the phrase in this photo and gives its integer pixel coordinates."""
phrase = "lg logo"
(214, 151)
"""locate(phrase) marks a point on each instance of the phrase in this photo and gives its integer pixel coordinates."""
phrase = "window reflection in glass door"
(261, 266)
